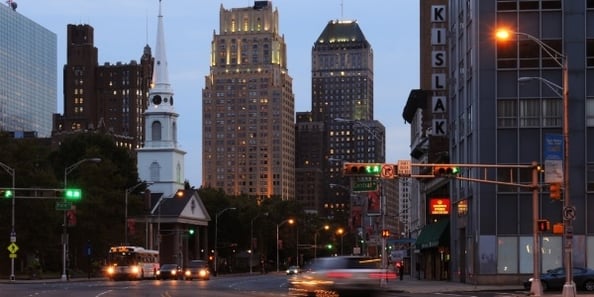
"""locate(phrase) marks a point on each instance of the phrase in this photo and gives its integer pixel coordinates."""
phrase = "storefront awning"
(431, 235)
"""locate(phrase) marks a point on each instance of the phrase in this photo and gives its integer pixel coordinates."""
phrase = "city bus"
(132, 262)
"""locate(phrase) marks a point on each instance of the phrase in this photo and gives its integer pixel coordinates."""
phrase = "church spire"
(161, 92)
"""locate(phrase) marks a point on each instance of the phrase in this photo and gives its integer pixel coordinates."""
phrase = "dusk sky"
(123, 28)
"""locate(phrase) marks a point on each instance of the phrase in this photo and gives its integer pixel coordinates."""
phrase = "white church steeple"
(160, 161)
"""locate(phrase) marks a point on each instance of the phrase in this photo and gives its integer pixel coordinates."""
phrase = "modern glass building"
(28, 74)
(505, 105)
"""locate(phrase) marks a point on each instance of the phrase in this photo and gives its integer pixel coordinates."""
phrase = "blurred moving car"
(344, 275)
(554, 279)
(292, 270)
(197, 269)
(169, 271)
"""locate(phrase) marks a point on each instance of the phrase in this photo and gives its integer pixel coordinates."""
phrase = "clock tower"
(160, 160)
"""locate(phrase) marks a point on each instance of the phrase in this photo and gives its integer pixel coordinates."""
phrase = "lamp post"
(67, 170)
(326, 227)
(561, 60)
(10, 171)
(128, 191)
(290, 221)
(252, 237)
(216, 251)
(341, 232)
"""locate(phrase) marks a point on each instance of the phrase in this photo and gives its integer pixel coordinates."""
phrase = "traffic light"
(543, 225)
(329, 246)
(555, 191)
(445, 170)
(191, 232)
(362, 169)
(385, 233)
(72, 194)
(7, 193)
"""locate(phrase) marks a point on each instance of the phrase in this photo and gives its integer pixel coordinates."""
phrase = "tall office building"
(108, 97)
(29, 78)
(248, 107)
(505, 106)
(342, 117)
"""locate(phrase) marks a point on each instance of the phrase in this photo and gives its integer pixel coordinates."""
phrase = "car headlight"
(202, 272)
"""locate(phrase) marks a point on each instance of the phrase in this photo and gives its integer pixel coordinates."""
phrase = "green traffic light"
(191, 231)
(329, 246)
(7, 194)
(373, 168)
(73, 194)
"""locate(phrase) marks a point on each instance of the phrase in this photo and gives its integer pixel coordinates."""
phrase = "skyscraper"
(248, 107)
(110, 97)
(29, 78)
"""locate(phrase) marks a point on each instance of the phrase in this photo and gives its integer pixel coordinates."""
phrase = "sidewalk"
(412, 285)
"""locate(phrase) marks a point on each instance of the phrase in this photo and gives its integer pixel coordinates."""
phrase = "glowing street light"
(561, 60)
(291, 222)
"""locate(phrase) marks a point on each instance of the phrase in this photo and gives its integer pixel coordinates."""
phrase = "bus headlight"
(135, 269)
(110, 270)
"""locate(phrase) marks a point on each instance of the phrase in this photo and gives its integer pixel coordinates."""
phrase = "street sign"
(13, 248)
(388, 171)
(367, 186)
(404, 168)
(63, 205)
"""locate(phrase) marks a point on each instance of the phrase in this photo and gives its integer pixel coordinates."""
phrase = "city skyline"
(190, 25)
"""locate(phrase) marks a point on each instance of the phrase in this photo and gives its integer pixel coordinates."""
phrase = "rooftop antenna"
(341, 9)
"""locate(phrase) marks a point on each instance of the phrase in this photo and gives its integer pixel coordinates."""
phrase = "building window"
(590, 177)
(155, 171)
(507, 113)
(529, 113)
(156, 131)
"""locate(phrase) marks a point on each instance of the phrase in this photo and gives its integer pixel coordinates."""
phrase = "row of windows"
(503, 5)
(529, 113)
(529, 54)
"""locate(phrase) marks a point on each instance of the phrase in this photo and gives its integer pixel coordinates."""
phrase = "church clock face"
(157, 100)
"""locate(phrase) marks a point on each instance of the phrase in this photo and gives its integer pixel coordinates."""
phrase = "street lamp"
(561, 60)
(128, 191)
(326, 227)
(216, 252)
(341, 232)
(290, 221)
(10, 171)
(252, 237)
(67, 170)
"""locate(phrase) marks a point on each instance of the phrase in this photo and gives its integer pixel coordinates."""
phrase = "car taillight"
(339, 274)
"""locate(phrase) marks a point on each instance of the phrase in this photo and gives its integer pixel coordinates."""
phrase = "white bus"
(132, 262)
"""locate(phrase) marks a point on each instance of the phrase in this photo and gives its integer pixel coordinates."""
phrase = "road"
(269, 285)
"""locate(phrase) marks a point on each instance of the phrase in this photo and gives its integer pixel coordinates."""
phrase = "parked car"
(169, 271)
(554, 279)
(197, 269)
(292, 270)
(342, 276)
